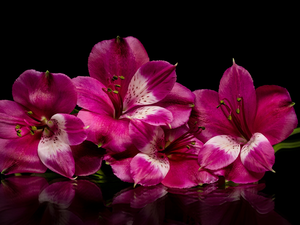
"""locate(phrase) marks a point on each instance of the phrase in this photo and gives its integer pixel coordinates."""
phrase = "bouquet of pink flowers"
(149, 128)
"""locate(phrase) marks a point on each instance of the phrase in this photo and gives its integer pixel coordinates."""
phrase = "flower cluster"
(153, 129)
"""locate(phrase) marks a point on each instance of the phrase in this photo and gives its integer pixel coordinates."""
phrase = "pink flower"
(36, 130)
(123, 86)
(167, 156)
(241, 125)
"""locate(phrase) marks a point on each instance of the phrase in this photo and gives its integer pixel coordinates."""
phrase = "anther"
(117, 85)
(193, 142)
(203, 128)
(29, 112)
(188, 147)
(31, 132)
(115, 91)
(237, 110)
(229, 117)
(18, 127)
(192, 105)
(33, 128)
(109, 89)
(19, 133)
(115, 77)
(121, 77)
(239, 99)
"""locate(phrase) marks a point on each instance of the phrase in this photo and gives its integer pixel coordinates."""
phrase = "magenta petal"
(206, 114)
(238, 173)
(71, 129)
(88, 158)
(146, 137)
(119, 57)
(258, 154)
(20, 155)
(237, 83)
(275, 118)
(45, 93)
(154, 115)
(92, 97)
(185, 173)
(150, 84)
(57, 156)
(179, 102)
(218, 152)
(105, 131)
(148, 171)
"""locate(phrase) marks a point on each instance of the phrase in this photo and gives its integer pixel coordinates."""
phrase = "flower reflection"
(31, 200)
(35, 200)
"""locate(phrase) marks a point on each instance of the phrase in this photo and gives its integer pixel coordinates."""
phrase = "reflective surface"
(31, 199)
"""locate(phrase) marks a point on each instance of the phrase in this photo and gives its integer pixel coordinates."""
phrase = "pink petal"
(57, 156)
(153, 115)
(185, 174)
(150, 84)
(237, 83)
(238, 173)
(120, 163)
(105, 131)
(120, 57)
(145, 137)
(179, 102)
(218, 152)
(258, 154)
(148, 171)
(275, 118)
(45, 93)
(11, 115)
(92, 97)
(206, 114)
(88, 158)
(20, 155)
(71, 128)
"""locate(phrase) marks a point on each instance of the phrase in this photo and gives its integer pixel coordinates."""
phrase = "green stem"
(296, 131)
(287, 144)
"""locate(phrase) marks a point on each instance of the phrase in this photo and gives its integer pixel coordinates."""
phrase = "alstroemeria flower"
(123, 85)
(241, 125)
(167, 156)
(37, 130)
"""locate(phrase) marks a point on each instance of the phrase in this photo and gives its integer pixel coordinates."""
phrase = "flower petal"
(206, 114)
(154, 115)
(148, 171)
(258, 154)
(57, 155)
(275, 118)
(179, 102)
(150, 84)
(237, 83)
(105, 131)
(119, 57)
(218, 152)
(45, 93)
(238, 173)
(92, 97)
(145, 137)
(20, 155)
(71, 128)
(88, 158)
(120, 163)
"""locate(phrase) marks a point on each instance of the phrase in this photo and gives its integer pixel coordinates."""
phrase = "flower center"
(113, 91)
(236, 116)
(185, 141)
(48, 127)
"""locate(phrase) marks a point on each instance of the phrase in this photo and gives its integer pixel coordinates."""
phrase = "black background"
(202, 38)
